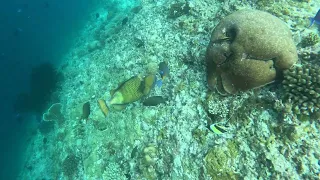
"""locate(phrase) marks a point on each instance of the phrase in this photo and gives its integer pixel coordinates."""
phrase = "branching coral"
(302, 88)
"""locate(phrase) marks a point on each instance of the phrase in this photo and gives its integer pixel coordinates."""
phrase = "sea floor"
(171, 140)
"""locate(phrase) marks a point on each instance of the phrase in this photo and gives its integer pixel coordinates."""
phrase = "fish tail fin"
(159, 83)
(103, 107)
(311, 21)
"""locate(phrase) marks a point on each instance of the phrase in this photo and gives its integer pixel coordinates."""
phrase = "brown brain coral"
(247, 49)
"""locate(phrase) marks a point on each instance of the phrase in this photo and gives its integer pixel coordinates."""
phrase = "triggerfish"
(131, 90)
(316, 19)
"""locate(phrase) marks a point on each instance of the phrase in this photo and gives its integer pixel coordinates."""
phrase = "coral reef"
(219, 161)
(265, 140)
(70, 165)
(302, 88)
(310, 40)
(95, 45)
(246, 50)
(178, 9)
(148, 161)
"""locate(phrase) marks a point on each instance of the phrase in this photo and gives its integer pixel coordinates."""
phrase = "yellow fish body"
(132, 90)
(103, 107)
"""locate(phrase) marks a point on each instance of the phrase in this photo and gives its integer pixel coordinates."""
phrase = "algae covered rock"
(220, 160)
(310, 40)
(302, 88)
(247, 50)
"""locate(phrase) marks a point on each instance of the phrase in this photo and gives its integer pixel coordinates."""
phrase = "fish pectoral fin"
(119, 107)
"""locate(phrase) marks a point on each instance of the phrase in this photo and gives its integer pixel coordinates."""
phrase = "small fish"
(163, 70)
(316, 19)
(154, 101)
(85, 111)
(134, 152)
(124, 21)
(217, 129)
(97, 15)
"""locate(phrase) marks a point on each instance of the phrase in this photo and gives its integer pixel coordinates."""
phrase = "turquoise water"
(160, 90)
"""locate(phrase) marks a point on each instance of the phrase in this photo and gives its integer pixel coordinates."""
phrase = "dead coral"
(246, 50)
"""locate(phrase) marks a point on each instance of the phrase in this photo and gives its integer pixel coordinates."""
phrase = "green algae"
(200, 136)
(220, 159)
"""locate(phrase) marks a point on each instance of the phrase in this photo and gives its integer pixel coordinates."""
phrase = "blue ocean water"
(31, 33)
(159, 89)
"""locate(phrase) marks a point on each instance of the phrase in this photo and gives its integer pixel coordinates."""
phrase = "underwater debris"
(302, 88)
(103, 107)
(53, 113)
(85, 111)
(264, 47)
(154, 101)
(178, 9)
